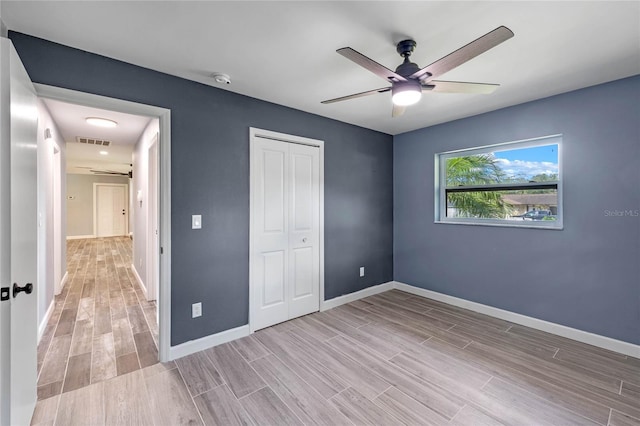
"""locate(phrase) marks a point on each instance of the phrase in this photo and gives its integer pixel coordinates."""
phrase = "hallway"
(102, 326)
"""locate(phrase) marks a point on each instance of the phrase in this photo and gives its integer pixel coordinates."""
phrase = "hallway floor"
(102, 326)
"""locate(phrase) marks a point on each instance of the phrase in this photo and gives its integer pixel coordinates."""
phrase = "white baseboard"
(63, 282)
(79, 237)
(135, 274)
(207, 342)
(351, 297)
(45, 320)
(619, 346)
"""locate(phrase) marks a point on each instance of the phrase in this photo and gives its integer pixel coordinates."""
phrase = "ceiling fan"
(408, 81)
(112, 172)
(108, 172)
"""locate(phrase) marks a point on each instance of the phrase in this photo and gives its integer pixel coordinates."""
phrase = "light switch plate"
(196, 310)
(362, 271)
(196, 221)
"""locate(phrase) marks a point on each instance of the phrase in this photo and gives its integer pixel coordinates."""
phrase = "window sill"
(501, 225)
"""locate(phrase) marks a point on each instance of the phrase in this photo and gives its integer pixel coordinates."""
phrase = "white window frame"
(440, 191)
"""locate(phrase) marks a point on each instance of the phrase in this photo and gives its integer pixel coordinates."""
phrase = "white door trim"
(95, 205)
(164, 201)
(255, 133)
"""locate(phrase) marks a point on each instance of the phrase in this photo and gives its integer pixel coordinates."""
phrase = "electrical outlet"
(362, 271)
(196, 310)
(140, 263)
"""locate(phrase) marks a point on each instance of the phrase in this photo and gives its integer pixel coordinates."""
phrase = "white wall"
(80, 208)
(140, 177)
(46, 223)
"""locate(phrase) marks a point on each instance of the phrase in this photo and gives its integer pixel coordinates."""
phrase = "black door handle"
(28, 288)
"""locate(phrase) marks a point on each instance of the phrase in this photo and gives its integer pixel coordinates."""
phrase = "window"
(509, 184)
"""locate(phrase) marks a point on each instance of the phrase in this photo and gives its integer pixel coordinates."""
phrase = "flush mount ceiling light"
(104, 153)
(101, 122)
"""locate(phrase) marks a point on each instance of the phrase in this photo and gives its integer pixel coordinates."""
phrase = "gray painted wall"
(210, 176)
(80, 209)
(586, 276)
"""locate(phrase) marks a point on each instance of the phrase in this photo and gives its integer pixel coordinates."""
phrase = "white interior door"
(285, 262)
(153, 246)
(18, 238)
(111, 210)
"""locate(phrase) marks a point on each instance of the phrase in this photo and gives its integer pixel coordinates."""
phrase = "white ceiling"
(284, 52)
(82, 158)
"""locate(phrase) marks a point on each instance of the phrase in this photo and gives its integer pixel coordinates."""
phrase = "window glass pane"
(533, 164)
(517, 205)
(537, 164)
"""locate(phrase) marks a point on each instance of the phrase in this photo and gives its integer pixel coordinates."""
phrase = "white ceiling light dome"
(406, 93)
(101, 122)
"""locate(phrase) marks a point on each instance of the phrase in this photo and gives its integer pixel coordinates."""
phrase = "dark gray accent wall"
(586, 276)
(210, 176)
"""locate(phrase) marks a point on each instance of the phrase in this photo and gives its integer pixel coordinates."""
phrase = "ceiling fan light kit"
(406, 93)
(408, 81)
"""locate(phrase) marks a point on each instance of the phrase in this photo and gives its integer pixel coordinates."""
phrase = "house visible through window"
(513, 184)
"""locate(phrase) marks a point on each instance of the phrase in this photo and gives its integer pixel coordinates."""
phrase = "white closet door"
(285, 272)
(304, 226)
(270, 267)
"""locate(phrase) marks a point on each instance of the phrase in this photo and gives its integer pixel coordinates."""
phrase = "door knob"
(28, 288)
(304, 240)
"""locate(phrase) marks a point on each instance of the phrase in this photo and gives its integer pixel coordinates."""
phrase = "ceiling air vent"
(92, 141)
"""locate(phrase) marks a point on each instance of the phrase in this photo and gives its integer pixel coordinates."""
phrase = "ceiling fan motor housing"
(405, 49)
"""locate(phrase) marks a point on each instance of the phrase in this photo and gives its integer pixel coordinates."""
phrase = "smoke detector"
(221, 78)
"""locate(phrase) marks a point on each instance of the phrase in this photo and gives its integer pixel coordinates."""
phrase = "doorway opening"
(111, 315)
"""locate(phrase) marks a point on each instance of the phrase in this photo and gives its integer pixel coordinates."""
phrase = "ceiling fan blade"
(397, 110)
(357, 95)
(465, 53)
(108, 172)
(370, 64)
(459, 87)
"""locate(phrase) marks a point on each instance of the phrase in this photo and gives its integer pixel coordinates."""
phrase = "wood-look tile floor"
(102, 326)
(388, 359)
